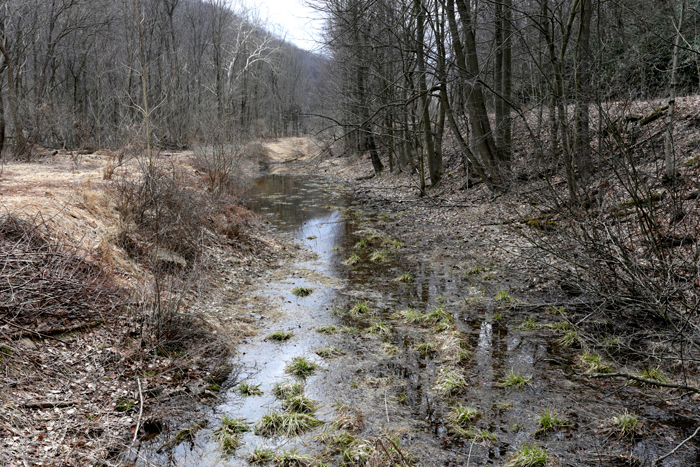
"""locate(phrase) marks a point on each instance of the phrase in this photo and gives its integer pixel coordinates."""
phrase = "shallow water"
(395, 393)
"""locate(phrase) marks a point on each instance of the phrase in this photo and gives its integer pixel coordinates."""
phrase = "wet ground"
(398, 382)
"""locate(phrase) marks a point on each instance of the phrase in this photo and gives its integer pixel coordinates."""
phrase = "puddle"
(391, 382)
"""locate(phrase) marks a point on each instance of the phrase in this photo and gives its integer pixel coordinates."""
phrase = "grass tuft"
(409, 316)
(504, 296)
(450, 382)
(287, 389)
(549, 421)
(285, 423)
(593, 363)
(279, 336)
(405, 277)
(301, 367)
(530, 455)
(300, 404)
(390, 349)
(570, 338)
(377, 256)
(463, 415)
(424, 348)
(260, 456)
(626, 423)
(302, 291)
(293, 459)
(528, 324)
(328, 329)
(329, 352)
(653, 373)
(249, 389)
(352, 260)
(513, 379)
(228, 434)
(380, 329)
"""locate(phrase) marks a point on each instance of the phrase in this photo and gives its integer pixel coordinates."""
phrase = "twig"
(653, 382)
(138, 421)
(49, 404)
(656, 462)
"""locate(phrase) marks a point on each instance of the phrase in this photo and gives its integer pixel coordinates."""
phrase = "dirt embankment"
(99, 342)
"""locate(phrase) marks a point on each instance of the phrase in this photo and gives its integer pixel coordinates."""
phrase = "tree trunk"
(583, 92)
(669, 159)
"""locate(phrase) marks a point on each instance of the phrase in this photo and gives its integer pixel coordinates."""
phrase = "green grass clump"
(473, 270)
(570, 338)
(405, 277)
(352, 260)
(302, 291)
(559, 326)
(450, 383)
(124, 405)
(463, 356)
(424, 348)
(287, 389)
(378, 255)
(228, 434)
(549, 421)
(478, 436)
(530, 455)
(409, 316)
(293, 459)
(329, 352)
(360, 309)
(593, 363)
(625, 423)
(328, 329)
(300, 404)
(653, 373)
(528, 324)
(439, 319)
(285, 423)
(504, 296)
(249, 389)
(513, 379)
(301, 367)
(279, 336)
(260, 456)
(463, 415)
(380, 329)
(361, 244)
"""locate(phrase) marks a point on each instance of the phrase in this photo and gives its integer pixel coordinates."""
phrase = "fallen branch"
(49, 330)
(658, 460)
(653, 382)
(49, 404)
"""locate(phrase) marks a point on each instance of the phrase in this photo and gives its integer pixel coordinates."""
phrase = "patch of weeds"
(300, 404)
(337, 311)
(293, 459)
(409, 316)
(285, 423)
(438, 316)
(359, 309)
(530, 455)
(361, 244)
(478, 436)
(653, 373)
(380, 329)
(528, 324)
(328, 329)
(463, 356)
(557, 310)
(405, 277)
(440, 298)
(593, 363)
(329, 352)
(504, 296)
(611, 341)
(549, 421)
(378, 255)
(402, 398)
(249, 389)
(124, 405)
(473, 270)
(352, 260)
(391, 244)
(559, 326)
(513, 379)
(424, 348)
(260, 456)
(350, 330)
(214, 387)
(487, 277)
(228, 434)
(498, 317)
(279, 336)
(390, 349)
(516, 427)
(301, 367)
(287, 389)
(302, 291)
(353, 384)
(625, 423)
(570, 338)
(463, 415)
(450, 382)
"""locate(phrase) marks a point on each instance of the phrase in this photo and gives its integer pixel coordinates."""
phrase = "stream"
(386, 387)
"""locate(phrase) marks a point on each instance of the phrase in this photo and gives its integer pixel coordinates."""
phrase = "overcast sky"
(300, 22)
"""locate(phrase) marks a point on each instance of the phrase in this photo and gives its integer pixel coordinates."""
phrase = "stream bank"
(400, 378)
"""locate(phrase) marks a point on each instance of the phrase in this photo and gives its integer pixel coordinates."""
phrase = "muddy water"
(390, 383)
